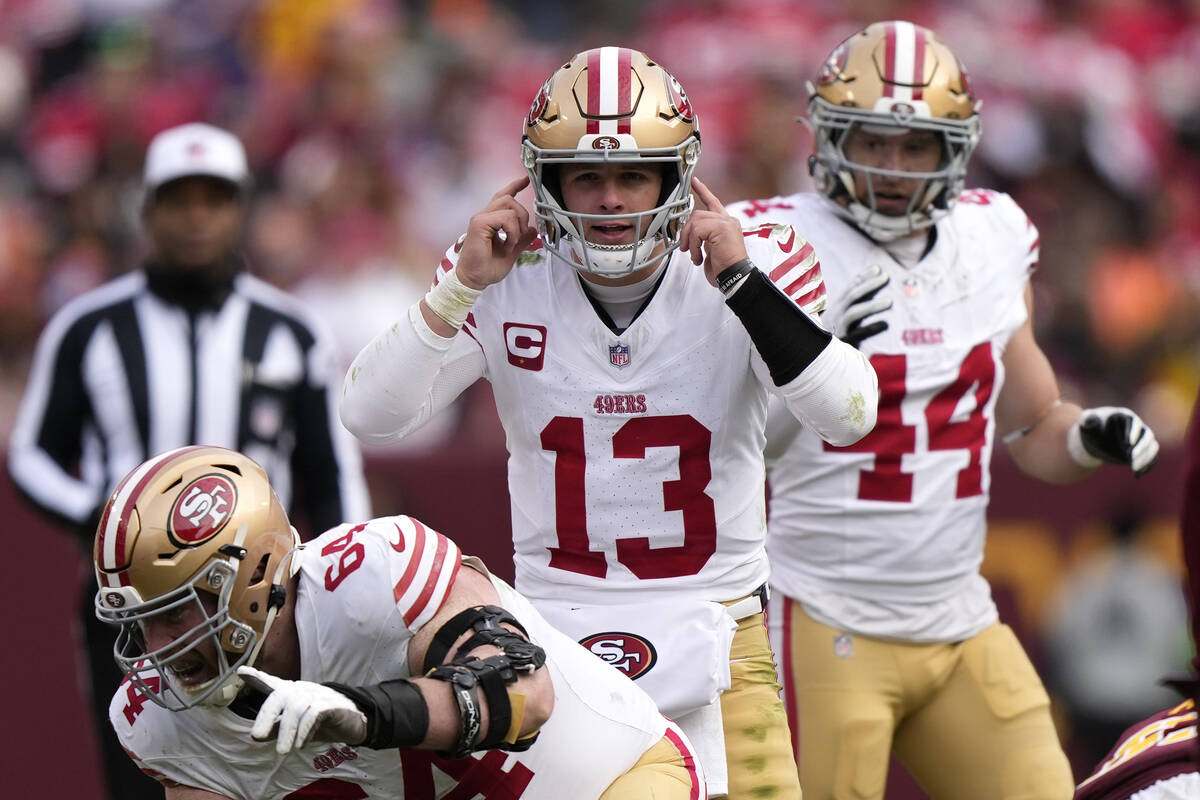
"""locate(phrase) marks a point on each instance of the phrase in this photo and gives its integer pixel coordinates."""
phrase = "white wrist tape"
(1078, 452)
(451, 300)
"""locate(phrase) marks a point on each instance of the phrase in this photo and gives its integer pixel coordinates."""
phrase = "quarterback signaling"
(886, 633)
(632, 333)
(349, 666)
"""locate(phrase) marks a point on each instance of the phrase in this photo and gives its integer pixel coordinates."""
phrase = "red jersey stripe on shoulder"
(435, 577)
(410, 570)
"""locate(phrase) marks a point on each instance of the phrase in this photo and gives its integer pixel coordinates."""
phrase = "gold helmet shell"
(192, 522)
(611, 104)
(893, 75)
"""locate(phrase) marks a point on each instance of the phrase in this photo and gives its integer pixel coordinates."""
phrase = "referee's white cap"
(194, 149)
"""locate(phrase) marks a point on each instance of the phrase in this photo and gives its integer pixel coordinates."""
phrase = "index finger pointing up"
(513, 188)
(708, 200)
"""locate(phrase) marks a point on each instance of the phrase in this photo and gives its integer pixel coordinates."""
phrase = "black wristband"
(729, 277)
(397, 714)
(786, 338)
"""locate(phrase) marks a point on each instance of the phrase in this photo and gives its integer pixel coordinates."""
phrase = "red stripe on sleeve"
(792, 261)
(593, 90)
(410, 571)
(439, 562)
(918, 78)
(811, 296)
(624, 89)
(800, 282)
(889, 58)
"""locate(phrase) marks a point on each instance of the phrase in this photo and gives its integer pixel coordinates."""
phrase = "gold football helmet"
(604, 105)
(202, 526)
(897, 76)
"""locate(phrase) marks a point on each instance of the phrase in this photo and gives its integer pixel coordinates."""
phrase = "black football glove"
(1115, 435)
(850, 311)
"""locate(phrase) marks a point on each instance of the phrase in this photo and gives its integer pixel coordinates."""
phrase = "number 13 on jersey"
(563, 436)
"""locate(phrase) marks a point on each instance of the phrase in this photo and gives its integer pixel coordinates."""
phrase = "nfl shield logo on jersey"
(618, 355)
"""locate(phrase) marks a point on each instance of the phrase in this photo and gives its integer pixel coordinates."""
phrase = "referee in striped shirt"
(189, 349)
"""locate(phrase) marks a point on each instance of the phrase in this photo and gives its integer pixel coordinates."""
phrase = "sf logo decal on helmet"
(628, 652)
(834, 66)
(202, 509)
(538, 106)
(679, 98)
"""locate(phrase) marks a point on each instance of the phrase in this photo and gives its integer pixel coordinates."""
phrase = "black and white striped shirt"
(120, 375)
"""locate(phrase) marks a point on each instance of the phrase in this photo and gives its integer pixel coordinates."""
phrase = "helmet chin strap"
(613, 260)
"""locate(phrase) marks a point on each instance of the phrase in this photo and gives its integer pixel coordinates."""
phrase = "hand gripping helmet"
(195, 526)
(895, 75)
(611, 104)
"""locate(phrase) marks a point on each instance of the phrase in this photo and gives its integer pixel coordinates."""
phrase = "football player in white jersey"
(886, 633)
(632, 386)
(375, 661)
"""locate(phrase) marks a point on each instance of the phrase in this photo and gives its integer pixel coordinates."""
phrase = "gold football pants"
(969, 719)
(758, 754)
(667, 771)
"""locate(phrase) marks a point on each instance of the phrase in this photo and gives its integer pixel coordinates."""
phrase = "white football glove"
(1115, 435)
(302, 710)
(859, 302)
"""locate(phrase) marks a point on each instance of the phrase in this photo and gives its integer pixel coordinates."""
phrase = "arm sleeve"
(825, 383)
(47, 439)
(837, 395)
(326, 462)
(404, 376)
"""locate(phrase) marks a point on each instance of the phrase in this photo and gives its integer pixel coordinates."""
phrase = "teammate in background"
(261, 669)
(632, 386)
(188, 349)
(1159, 757)
(886, 633)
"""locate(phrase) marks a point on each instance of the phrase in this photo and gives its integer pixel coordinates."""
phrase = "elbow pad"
(787, 339)
(493, 675)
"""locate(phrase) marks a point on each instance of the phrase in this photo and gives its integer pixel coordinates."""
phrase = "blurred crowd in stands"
(376, 126)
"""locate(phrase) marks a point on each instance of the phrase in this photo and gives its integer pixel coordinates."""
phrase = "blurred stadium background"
(375, 128)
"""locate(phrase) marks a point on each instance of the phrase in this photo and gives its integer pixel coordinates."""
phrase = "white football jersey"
(635, 463)
(885, 537)
(364, 591)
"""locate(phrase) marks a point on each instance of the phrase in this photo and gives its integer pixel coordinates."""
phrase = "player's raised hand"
(1112, 434)
(711, 235)
(302, 710)
(495, 236)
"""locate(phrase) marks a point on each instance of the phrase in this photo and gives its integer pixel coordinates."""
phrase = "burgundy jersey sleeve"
(1154, 749)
